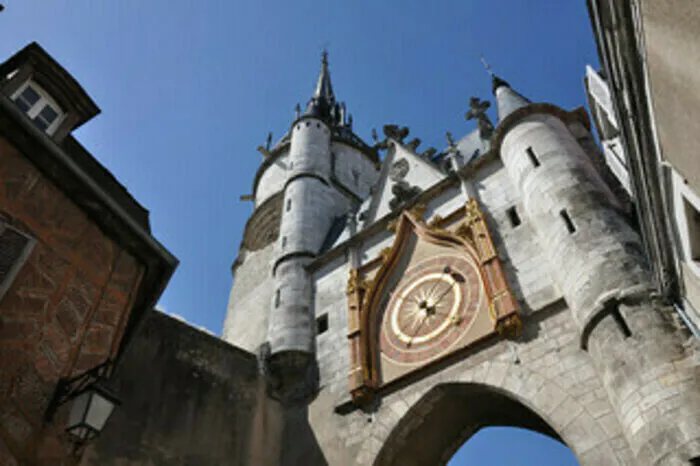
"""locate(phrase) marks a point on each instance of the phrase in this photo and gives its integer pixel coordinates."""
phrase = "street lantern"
(90, 411)
(92, 403)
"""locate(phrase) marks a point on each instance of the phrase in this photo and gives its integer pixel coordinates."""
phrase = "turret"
(598, 264)
(313, 201)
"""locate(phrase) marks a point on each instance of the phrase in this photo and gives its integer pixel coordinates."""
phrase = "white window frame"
(21, 259)
(682, 194)
(44, 100)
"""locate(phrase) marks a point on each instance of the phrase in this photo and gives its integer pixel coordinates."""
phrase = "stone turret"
(306, 183)
(602, 272)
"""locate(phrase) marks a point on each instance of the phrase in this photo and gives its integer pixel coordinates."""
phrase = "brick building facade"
(78, 265)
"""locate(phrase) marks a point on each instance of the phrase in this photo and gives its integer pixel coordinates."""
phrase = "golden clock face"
(429, 310)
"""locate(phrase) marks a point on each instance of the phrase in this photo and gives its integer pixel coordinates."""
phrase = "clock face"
(430, 309)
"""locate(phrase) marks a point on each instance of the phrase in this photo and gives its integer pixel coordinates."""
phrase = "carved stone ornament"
(396, 132)
(403, 194)
(399, 170)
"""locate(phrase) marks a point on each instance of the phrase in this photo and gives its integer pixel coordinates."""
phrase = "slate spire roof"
(507, 99)
(322, 103)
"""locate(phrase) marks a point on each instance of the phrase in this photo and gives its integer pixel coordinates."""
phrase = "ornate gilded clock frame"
(471, 234)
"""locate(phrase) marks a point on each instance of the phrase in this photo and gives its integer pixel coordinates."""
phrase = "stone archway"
(447, 416)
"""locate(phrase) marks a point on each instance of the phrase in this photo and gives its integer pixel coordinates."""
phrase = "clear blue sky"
(189, 89)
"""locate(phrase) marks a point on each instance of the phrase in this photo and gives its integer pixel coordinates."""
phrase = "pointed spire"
(507, 99)
(323, 86)
(322, 103)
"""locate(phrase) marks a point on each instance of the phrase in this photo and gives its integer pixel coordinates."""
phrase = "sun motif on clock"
(430, 309)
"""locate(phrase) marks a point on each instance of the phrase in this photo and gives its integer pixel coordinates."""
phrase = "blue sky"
(188, 90)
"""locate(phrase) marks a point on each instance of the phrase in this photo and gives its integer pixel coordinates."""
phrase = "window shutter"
(14, 250)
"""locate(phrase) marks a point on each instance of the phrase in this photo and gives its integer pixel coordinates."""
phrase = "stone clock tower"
(305, 187)
(397, 307)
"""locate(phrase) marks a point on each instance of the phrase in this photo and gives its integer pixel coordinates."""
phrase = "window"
(27, 99)
(277, 298)
(513, 217)
(322, 324)
(686, 210)
(39, 107)
(533, 158)
(355, 177)
(567, 220)
(284, 241)
(692, 216)
(15, 247)
(289, 205)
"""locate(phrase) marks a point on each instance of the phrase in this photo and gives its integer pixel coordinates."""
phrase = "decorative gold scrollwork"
(418, 211)
(435, 221)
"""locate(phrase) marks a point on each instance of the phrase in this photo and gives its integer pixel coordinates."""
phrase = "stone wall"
(249, 302)
(188, 398)
(64, 313)
(545, 371)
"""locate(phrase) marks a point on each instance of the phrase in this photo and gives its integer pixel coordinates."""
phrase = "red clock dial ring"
(433, 305)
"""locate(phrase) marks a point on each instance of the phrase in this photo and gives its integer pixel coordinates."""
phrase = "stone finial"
(450, 141)
(396, 132)
(477, 111)
(268, 141)
(413, 144)
(429, 153)
(297, 111)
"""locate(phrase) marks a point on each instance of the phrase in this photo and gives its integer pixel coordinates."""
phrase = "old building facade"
(78, 265)
(387, 302)
(501, 281)
(650, 65)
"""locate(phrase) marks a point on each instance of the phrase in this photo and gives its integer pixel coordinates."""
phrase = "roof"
(55, 79)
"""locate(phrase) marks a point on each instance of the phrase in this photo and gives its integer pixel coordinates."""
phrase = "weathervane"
(486, 65)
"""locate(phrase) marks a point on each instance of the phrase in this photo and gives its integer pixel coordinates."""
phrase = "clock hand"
(444, 293)
(445, 269)
(408, 345)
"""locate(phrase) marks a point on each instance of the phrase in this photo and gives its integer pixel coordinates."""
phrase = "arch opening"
(435, 428)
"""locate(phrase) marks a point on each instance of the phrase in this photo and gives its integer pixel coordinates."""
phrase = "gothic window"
(39, 107)
(15, 247)
(533, 158)
(322, 324)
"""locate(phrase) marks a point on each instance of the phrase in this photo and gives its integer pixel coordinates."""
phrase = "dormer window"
(39, 107)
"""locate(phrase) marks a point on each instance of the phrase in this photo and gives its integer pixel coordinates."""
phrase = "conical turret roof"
(507, 99)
